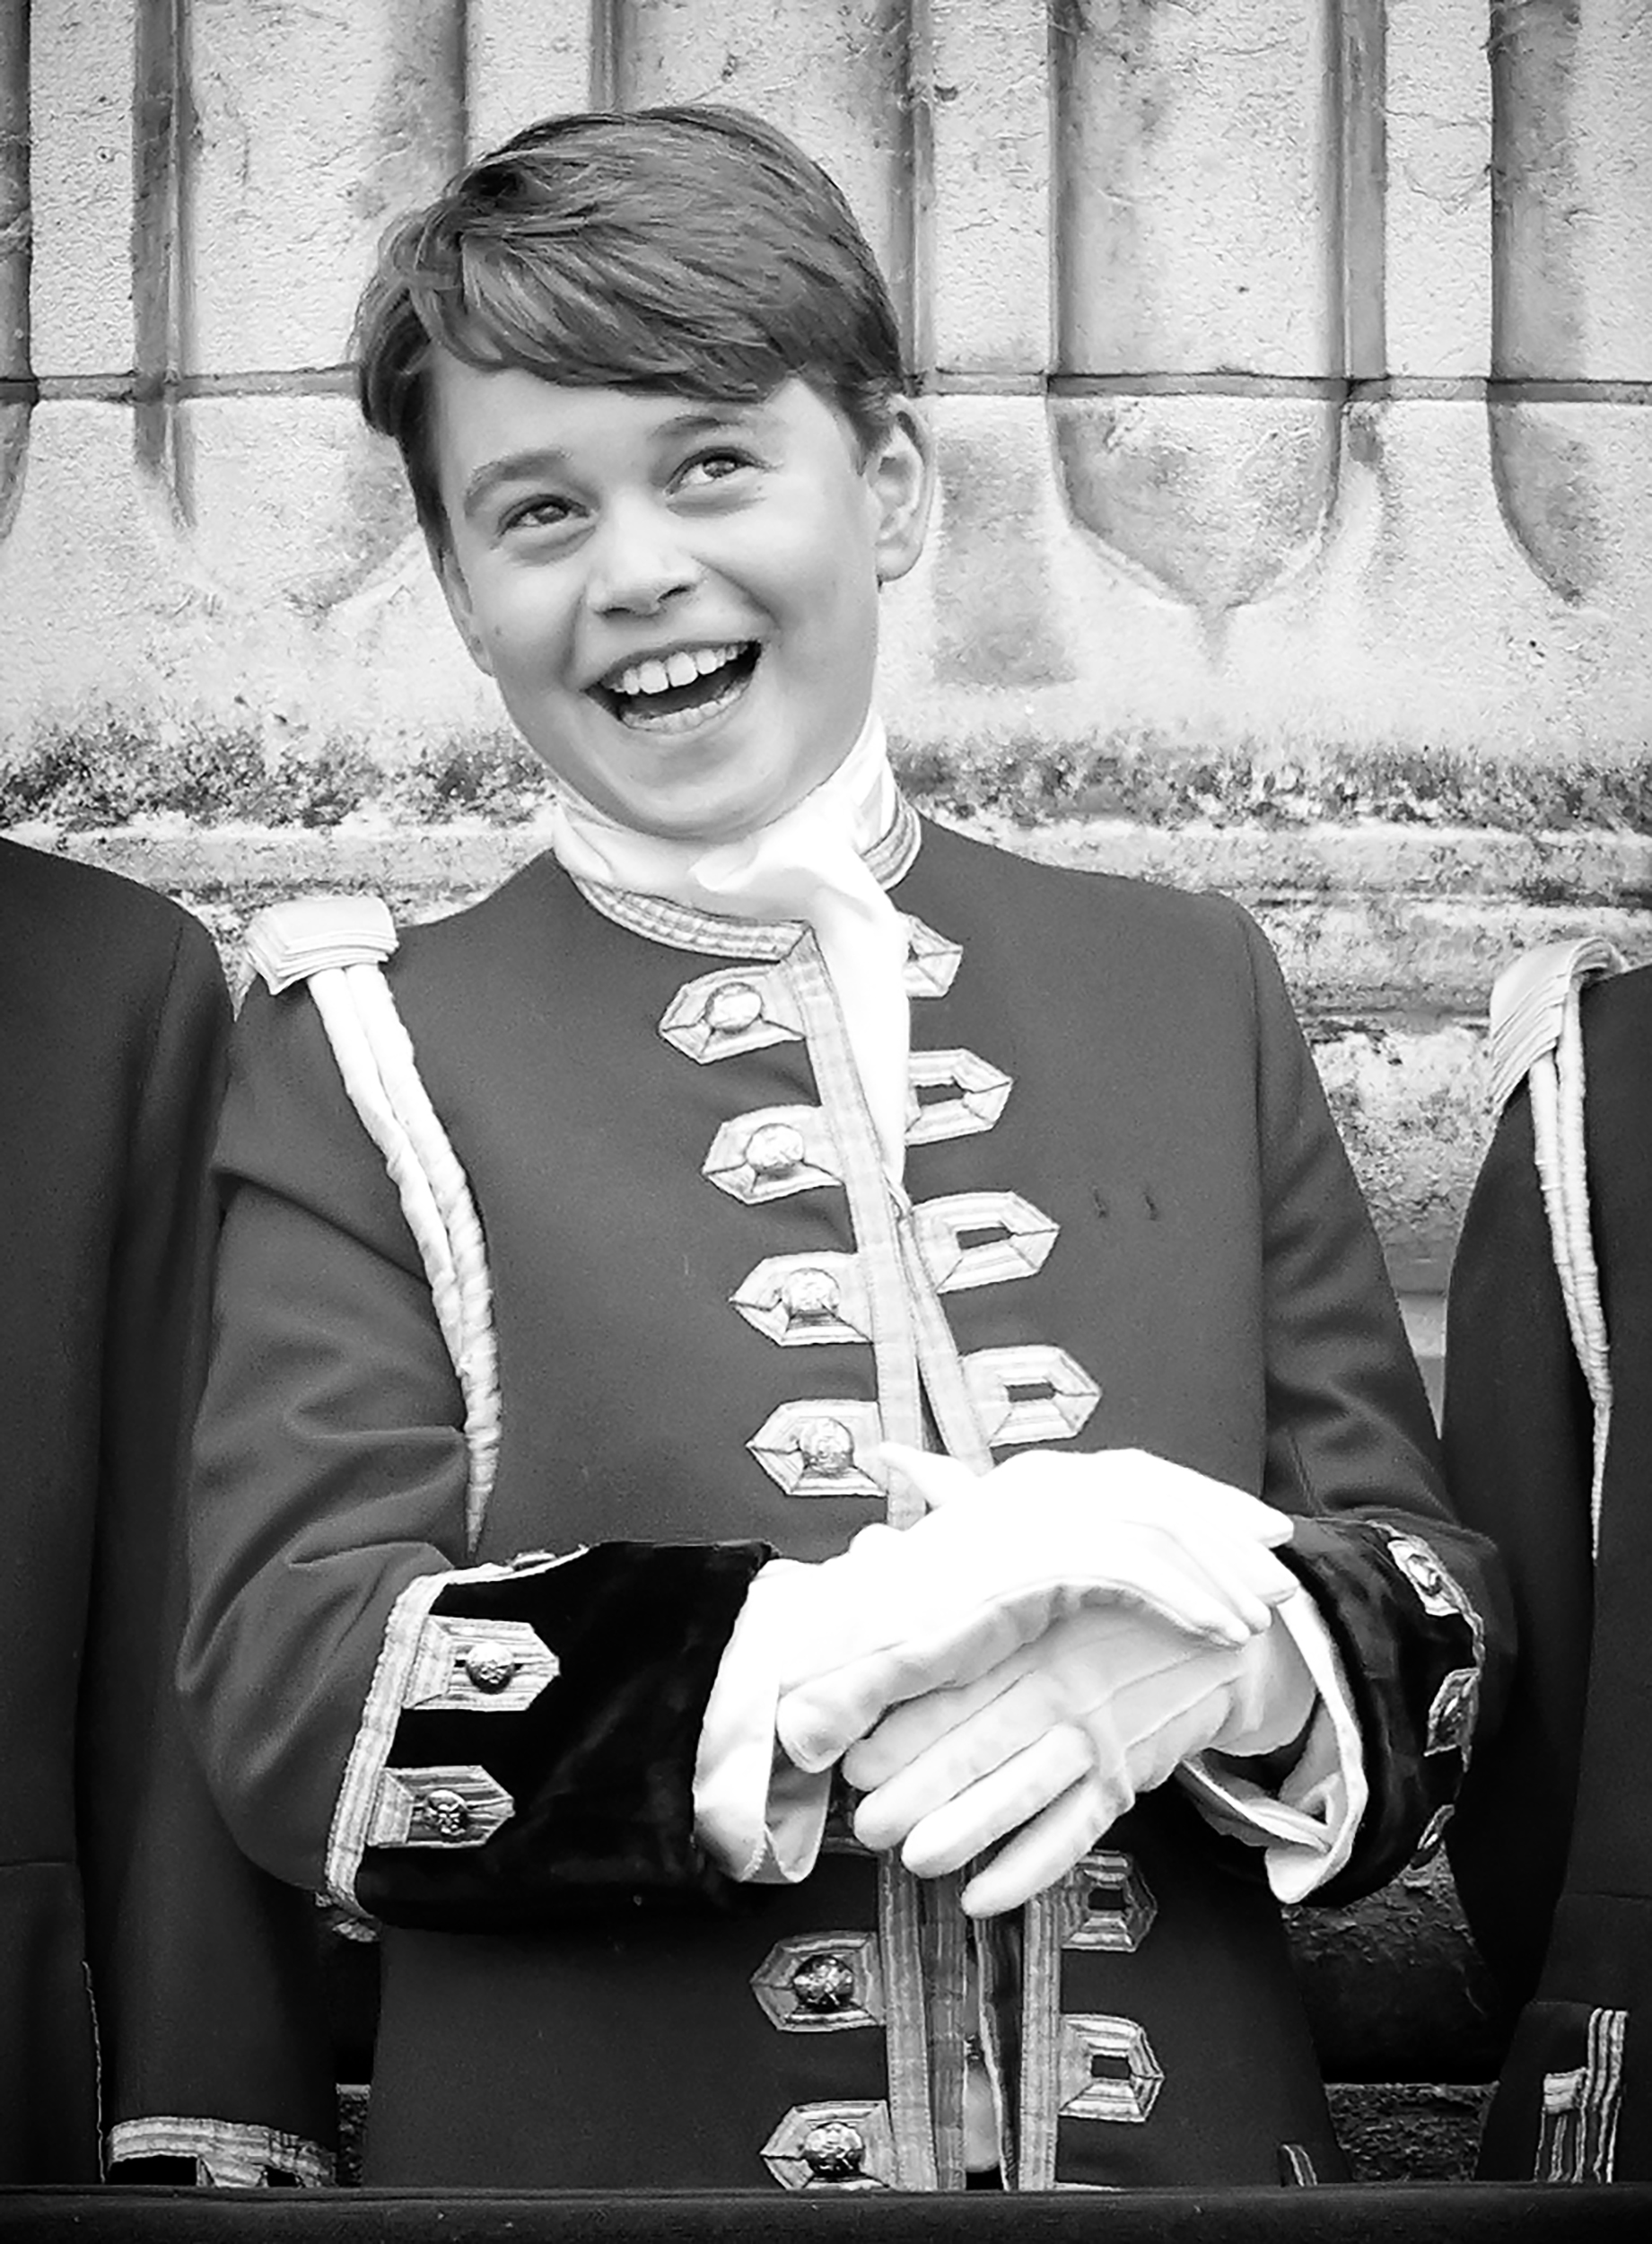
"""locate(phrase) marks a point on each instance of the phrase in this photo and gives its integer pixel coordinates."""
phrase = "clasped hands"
(1049, 1642)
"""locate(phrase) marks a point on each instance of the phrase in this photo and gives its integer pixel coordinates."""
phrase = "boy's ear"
(900, 473)
(457, 593)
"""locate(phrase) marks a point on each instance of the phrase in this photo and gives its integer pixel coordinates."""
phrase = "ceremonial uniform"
(151, 1984)
(1549, 1445)
(1127, 1221)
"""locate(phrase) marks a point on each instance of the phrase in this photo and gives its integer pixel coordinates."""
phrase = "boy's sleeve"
(1413, 1601)
(1518, 1429)
(436, 1742)
(212, 2032)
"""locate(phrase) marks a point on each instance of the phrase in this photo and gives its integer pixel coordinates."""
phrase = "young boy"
(970, 1233)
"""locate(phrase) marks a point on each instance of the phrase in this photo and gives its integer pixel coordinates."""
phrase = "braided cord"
(376, 1062)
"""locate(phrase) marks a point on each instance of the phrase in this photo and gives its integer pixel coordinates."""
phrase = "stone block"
(1412, 624)
(122, 613)
(1406, 2131)
(1434, 113)
(1574, 483)
(312, 128)
(1213, 500)
(81, 185)
(984, 88)
(1573, 190)
(1196, 158)
(525, 59)
(1413, 1110)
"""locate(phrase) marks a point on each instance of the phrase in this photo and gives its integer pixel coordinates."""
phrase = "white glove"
(1057, 1741)
(1004, 1555)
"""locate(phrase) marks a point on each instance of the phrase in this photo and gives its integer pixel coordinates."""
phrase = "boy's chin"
(707, 806)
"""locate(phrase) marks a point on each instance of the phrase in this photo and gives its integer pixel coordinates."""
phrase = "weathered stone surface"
(1395, 1988)
(1196, 151)
(310, 129)
(981, 246)
(1573, 190)
(524, 60)
(81, 184)
(1434, 209)
(1406, 2132)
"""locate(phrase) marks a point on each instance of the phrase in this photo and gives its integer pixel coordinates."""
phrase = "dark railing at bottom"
(1468, 2212)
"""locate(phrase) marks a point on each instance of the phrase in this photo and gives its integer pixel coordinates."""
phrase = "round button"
(774, 1149)
(826, 1446)
(823, 1982)
(490, 1666)
(833, 2150)
(446, 1812)
(733, 1007)
(810, 1294)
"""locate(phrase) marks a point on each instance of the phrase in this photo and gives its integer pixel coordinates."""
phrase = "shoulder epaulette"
(289, 943)
(1529, 1001)
(1536, 1037)
(337, 945)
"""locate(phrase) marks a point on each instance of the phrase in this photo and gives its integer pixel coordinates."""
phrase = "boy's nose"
(638, 563)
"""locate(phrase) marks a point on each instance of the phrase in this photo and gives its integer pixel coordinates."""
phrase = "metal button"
(833, 2150)
(810, 1294)
(490, 1666)
(446, 1811)
(774, 1149)
(733, 1007)
(826, 1446)
(823, 1982)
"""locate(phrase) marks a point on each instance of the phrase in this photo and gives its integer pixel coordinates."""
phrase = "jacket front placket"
(935, 1993)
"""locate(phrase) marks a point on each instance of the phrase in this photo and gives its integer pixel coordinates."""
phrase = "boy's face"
(677, 600)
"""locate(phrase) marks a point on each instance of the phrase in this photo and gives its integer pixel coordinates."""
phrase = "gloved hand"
(1001, 1557)
(1057, 1741)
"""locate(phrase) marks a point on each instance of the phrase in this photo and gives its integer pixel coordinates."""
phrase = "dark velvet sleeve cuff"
(1413, 1647)
(529, 1744)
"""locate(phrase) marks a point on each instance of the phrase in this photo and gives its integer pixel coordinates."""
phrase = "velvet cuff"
(541, 1761)
(1412, 1647)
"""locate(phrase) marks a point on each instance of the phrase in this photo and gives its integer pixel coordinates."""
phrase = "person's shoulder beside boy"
(69, 927)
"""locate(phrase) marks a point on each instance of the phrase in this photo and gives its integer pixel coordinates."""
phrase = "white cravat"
(805, 865)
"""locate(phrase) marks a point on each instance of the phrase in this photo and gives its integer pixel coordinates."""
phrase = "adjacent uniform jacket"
(151, 1983)
(1131, 1223)
(1552, 1843)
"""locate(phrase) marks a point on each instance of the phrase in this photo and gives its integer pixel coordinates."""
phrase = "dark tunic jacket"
(1132, 1224)
(1552, 1843)
(151, 1982)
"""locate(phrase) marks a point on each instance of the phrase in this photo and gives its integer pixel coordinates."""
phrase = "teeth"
(640, 719)
(680, 669)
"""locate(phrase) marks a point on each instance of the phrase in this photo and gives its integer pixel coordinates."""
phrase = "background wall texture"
(1291, 366)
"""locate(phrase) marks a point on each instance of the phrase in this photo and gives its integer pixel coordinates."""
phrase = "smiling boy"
(788, 1295)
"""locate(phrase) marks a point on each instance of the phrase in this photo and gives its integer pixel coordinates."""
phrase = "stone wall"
(1291, 367)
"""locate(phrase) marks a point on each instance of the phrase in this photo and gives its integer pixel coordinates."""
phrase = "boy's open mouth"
(674, 693)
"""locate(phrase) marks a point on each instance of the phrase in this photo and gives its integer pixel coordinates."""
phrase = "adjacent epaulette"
(338, 945)
(289, 943)
(1530, 1001)
(1536, 1037)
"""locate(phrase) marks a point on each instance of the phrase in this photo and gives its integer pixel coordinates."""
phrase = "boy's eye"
(710, 466)
(542, 512)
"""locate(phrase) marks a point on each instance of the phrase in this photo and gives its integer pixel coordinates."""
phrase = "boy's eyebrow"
(549, 459)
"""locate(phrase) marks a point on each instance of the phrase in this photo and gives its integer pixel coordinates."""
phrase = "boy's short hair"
(695, 250)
